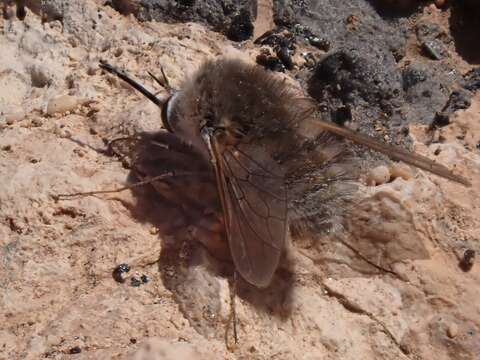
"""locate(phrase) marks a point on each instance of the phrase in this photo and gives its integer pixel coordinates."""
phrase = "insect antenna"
(163, 83)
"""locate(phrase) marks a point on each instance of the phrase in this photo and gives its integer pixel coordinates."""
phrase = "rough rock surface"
(232, 17)
(392, 290)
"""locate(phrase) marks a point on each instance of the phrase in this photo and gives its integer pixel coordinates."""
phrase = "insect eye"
(166, 111)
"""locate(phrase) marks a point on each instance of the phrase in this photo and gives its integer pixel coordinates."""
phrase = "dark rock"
(465, 29)
(353, 78)
(231, 17)
(412, 76)
(119, 271)
(434, 49)
(342, 115)
(75, 350)
(327, 19)
(283, 12)
(270, 62)
(473, 5)
(241, 27)
(395, 8)
(135, 282)
(310, 60)
(186, 3)
(125, 7)
(284, 55)
(319, 43)
(21, 12)
(467, 261)
(276, 38)
(458, 100)
(283, 43)
(365, 81)
(426, 91)
(266, 36)
(433, 39)
(427, 31)
(471, 80)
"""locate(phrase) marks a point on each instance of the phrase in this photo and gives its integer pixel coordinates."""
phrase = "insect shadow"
(235, 159)
(185, 210)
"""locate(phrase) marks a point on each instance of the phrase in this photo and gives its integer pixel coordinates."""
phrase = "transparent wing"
(254, 198)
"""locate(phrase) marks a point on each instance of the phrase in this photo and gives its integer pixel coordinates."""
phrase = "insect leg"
(127, 187)
(232, 319)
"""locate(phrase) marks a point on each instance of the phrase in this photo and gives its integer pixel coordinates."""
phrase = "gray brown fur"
(286, 174)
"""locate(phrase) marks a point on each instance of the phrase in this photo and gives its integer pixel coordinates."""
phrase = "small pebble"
(321, 44)
(61, 104)
(378, 176)
(119, 271)
(118, 52)
(77, 54)
(467, 261)
(14, 117)
(75, 350)
(8, 12)
(400, 170)
(434, 49)
(36, 122)
(452, 330)
(135, 282)
(92, 68)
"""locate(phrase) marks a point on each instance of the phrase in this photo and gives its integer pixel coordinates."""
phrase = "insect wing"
(254, 200)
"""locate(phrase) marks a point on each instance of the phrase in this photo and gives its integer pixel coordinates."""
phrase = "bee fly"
(277, 167)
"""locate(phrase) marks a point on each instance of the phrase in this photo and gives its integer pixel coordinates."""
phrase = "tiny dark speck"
(466, 263)
(75, 350)
(478, 146)
(133, 340)
(119, 271)
(135, 282)
(144, 279)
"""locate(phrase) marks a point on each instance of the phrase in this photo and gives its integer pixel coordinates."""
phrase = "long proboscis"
(393, 152)
(149, 95)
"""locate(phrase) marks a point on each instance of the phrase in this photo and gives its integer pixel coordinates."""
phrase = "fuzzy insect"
(278, 169)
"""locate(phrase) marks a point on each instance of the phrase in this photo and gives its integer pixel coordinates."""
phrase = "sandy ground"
(57, 295)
